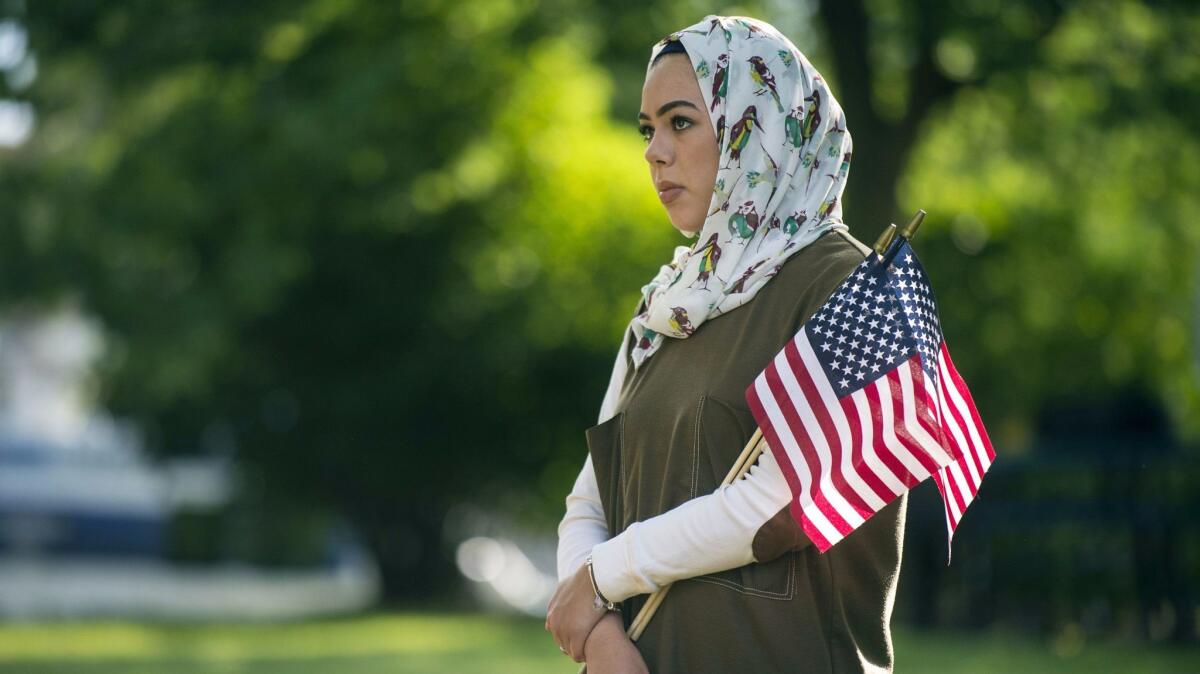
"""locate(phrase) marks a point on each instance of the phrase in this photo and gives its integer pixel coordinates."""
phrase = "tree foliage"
(384, 251)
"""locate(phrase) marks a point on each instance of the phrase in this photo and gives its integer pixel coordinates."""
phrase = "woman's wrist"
(601, 600)
(610, 630)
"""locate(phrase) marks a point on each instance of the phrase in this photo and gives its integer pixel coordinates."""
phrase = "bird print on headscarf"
(785, 157)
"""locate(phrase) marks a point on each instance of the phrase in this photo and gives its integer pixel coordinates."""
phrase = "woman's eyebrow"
(668, 106)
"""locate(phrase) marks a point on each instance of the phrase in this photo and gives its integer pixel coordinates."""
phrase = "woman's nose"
(659, 150)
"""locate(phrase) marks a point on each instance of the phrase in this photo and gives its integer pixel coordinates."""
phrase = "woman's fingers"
(553, 623)
(575, 651)
(571, 614)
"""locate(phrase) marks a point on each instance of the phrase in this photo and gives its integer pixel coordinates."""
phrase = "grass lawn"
(432, 643)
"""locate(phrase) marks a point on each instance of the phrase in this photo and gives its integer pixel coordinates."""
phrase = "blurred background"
(305, 306)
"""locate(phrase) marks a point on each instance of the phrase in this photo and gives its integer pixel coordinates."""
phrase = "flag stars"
(876, 320)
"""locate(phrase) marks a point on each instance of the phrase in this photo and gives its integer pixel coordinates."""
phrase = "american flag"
(864, 403)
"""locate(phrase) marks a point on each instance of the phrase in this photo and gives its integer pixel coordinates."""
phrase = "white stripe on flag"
(976, 446)
(955, 471)
(947, 483)
(932, 447)
(870, 454)
(978, 443)
(781, 427)
(945, 383)
(890, 440)
(931, 397)
(834, 409)
(824, 459)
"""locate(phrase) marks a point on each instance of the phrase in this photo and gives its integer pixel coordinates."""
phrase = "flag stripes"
(959, 481)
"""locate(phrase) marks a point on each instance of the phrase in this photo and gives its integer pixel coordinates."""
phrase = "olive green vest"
(681, 421)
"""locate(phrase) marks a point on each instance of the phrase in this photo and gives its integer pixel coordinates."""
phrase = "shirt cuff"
(612, 565)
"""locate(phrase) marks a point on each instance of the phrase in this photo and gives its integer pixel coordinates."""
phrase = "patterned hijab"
(785, 156)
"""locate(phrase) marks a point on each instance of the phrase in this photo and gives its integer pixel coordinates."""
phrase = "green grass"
(432, 643)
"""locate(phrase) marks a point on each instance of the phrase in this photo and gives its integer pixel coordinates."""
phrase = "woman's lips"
(670, 194)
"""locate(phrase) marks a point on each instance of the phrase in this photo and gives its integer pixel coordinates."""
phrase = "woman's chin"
(687, 231)
(686, 228)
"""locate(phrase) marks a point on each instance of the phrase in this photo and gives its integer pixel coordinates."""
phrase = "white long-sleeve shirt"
(707, 534)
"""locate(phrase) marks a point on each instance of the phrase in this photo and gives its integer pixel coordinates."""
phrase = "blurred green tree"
(388, 248)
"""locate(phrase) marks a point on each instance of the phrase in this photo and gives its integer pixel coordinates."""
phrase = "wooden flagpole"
(741, 466)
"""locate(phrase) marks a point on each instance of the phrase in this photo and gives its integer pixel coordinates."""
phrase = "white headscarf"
(785, 157)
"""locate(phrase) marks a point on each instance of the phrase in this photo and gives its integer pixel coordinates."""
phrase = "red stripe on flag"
(785, 404)
(974, 437)
(906, 439)
(785, 463)
(961, 386)
(868, 475)
(965, 452)
(971, 465)
(805, 449)
(951, 420)
(882, 450)
(817, 407)
(848, 425)
(950, 487)
(920, 396)
(773, 441)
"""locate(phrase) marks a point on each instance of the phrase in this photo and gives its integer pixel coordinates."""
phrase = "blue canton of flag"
(877, 319)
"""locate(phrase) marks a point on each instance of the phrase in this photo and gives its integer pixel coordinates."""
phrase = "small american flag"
(864, 403)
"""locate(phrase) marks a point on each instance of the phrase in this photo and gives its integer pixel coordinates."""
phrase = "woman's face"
(681, 141)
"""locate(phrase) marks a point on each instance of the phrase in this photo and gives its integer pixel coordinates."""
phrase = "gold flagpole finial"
(911, 228)
(885, 239)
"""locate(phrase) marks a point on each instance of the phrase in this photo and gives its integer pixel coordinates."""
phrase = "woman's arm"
(710, 533)
(583, 525)
(571, 615)
(744, 522)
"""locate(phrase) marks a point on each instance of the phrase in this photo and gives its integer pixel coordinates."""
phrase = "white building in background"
(85, 517)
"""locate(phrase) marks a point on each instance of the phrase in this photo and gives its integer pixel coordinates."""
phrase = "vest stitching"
(696, 446)
(789, 589)
(787, 594)
(619, 507)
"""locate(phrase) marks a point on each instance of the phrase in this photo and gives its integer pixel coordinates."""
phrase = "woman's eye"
(647, 132)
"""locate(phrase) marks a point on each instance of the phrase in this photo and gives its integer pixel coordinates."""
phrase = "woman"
(750, 154)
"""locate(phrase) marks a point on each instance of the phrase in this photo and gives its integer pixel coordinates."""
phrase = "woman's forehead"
(671, 78)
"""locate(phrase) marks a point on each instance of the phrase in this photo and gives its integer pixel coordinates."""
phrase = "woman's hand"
(610, 651)
(572, 613)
